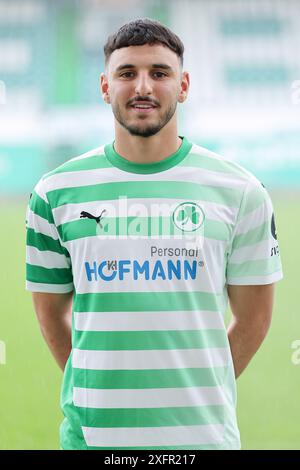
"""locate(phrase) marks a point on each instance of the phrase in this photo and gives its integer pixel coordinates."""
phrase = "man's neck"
(146, 149)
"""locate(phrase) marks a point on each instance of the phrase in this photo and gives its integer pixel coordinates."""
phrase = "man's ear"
(184, 87)
(104, 88)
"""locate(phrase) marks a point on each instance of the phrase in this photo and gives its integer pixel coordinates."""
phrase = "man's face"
(143, 85)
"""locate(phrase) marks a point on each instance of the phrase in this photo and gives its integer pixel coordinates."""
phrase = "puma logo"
(87, 215)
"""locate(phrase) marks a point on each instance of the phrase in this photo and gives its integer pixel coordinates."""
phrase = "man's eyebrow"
(131, 66)
(124, 66)
(162, 66)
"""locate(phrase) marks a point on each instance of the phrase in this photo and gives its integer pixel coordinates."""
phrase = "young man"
(147, 238)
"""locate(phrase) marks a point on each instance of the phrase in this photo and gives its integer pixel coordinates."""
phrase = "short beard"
(149, 130)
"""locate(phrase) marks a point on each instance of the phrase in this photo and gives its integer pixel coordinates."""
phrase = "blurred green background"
(244, 102)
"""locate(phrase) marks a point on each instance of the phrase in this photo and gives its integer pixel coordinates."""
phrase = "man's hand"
(54, 313)
(251, 307)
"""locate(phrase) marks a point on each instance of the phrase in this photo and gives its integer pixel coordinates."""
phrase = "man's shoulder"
(72, 170)
(78, 163)
(223, 166)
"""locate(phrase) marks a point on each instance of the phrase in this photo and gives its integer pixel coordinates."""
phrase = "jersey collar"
(132, 167)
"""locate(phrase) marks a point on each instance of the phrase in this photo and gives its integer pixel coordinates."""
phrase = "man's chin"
(140, 128)
(143, 132)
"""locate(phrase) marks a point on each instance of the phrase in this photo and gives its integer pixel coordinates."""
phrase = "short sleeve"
(48, 266)
(254, 256)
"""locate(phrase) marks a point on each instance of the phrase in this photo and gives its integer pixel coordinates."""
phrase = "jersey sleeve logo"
(273, 227)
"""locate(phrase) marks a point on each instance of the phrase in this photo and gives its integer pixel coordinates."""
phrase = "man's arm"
(251, 307)
(54, 313)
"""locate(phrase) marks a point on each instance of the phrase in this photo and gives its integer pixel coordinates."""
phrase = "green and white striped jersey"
(148, 250)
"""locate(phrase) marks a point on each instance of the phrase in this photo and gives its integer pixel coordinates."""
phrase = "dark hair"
(143, 31)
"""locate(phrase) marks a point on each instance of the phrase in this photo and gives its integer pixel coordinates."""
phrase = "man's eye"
(160, 74)
(126, 74)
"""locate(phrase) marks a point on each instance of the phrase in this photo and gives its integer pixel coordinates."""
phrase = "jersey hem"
(235, 445)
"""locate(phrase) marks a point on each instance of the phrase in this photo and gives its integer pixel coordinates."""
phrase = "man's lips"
(143, 110)
(143, 107)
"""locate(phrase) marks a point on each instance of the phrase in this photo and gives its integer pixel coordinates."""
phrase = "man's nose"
(143, 85)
